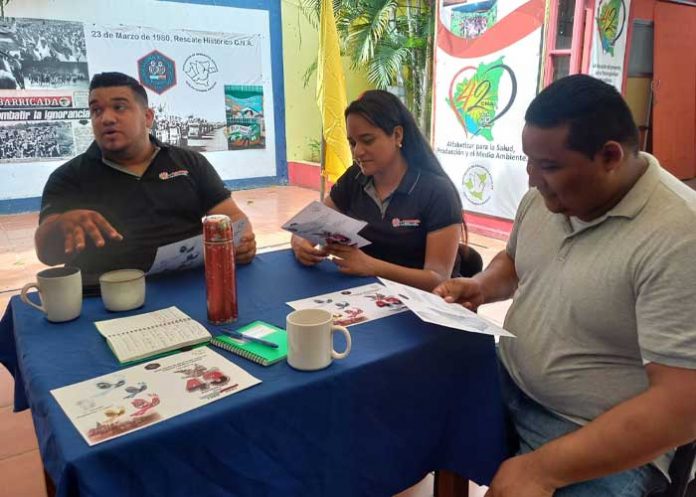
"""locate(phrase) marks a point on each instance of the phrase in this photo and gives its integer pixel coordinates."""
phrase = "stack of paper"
(433, 309)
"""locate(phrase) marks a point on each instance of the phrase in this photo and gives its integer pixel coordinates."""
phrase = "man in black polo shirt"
(112, 206)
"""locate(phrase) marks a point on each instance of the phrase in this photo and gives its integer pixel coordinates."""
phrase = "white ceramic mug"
(60, 293)
(123, 289)
(310, 339)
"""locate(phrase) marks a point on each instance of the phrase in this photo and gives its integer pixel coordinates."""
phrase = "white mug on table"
(60, 293)
(310, 339)
(122, 289)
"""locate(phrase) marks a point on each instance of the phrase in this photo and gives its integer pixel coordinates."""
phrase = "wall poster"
(486, 73)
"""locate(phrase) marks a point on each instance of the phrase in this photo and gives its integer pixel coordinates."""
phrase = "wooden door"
(674, 85)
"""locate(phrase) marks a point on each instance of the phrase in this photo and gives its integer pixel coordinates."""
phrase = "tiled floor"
(20, 464)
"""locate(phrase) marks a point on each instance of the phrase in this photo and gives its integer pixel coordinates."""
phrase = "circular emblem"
(199, 69)
(477, 184)
(64, 101)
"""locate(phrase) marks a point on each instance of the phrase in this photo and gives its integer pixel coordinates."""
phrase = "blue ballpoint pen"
(242, 336)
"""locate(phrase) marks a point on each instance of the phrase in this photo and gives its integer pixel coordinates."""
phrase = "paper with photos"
(433, 309)
(184, 254)
(320, 225)
(131, 399)
(355, 305)
(188, 253)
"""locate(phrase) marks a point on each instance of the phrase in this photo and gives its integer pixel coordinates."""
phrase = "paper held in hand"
(320, 225)
(144, 335)
(188, 253)
(433, 309)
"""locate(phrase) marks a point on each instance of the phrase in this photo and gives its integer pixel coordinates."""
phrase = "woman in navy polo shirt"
(398, 186)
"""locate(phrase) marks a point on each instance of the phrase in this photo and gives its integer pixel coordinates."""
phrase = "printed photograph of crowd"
(192, 132)
(42, 140)
(470, 25)
(469, 19)
(39, 53)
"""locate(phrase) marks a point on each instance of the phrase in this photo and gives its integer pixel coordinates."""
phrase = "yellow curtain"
(331, 97)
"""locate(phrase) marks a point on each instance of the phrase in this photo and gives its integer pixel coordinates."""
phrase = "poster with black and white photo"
(43, 90)
(42, 53)
(185, 73)
(46, 65)
(43, 125)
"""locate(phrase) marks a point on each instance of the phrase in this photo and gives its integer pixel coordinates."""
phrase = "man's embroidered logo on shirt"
(405, 223)
(164, 175)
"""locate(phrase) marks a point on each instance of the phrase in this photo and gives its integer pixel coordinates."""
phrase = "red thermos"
(220, 280)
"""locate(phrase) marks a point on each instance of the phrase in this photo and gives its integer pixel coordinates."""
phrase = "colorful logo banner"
(486, 73)
(609, 41)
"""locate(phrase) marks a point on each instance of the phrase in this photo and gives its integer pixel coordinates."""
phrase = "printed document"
(131, 399)
(432, 308)
(187, 254)
(355, 305)
(320, 225)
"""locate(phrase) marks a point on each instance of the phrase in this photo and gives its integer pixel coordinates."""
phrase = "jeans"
(535, 425)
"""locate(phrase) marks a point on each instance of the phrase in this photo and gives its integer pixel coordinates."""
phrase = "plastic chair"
(681, 472)
(470, 261)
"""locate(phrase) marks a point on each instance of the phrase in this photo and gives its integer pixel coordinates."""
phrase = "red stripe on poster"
(515, 26)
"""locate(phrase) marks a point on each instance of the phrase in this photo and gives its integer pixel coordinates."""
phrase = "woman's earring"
(399, 144)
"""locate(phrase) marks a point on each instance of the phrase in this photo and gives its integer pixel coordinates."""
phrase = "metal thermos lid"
(217, 228)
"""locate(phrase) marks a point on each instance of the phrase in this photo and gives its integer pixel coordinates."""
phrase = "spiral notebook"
(145, 335)
(260, 354)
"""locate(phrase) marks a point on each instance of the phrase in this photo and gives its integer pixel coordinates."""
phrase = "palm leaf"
(390, 39)
(309, 73)
(311, 9)
(386, 63)
(367, 30)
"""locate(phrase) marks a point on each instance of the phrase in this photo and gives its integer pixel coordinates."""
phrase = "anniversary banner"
(609, 41)
(486, 73)
(46, 65)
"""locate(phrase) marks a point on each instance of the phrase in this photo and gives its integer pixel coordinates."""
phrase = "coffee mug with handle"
(310, 339)
(60, 293)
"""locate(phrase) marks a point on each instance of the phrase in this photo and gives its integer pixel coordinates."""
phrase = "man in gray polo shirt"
(601, 379)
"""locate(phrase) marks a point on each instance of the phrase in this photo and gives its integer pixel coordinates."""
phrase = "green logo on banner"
(476, 98)
(611, 21)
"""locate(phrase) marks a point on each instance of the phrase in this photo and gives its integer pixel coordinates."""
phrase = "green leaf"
(311, 70)
(391, 40)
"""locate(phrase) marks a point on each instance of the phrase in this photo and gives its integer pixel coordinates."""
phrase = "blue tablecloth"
(410, 398)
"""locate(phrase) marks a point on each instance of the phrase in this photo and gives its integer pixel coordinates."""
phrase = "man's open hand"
(78, 224)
